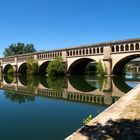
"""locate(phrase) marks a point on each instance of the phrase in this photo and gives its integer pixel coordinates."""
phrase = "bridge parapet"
(8, 60)
(85, 51)
(49, 55)
(125, 47)
(23, 58)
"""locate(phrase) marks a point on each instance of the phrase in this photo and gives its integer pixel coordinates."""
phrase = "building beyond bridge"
(114, 55)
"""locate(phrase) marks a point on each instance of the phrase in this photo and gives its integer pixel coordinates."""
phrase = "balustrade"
(125, 48)
(49, 55)
(8, 60)
(85, 51)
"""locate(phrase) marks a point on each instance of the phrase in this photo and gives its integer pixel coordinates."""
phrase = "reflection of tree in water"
(57, 83)
(18, 98)
(32, 82)
(101, 81)
(43, 80)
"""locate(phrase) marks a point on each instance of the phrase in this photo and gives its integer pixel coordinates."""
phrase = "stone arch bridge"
(114, 56)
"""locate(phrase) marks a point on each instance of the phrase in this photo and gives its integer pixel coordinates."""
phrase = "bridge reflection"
(85, 89)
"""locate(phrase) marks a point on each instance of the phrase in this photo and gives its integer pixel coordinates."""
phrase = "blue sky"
(50, 24)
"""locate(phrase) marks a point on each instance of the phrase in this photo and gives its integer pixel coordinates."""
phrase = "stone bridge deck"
(114, 55)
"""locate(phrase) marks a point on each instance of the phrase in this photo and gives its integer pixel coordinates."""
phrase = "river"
(40, 108)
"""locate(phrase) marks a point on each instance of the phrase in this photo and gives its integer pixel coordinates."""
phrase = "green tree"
(29, 48)
(32, 66)
(55, 67)
(19, 48)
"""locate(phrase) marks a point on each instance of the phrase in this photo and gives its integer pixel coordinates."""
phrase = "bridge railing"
(127, 47)
(23, 58)
(85, 51)
(8, 60)
(49, 55)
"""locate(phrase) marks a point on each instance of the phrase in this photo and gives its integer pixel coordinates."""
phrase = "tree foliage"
(86, 120)
(32, 66)
(55, 67)
(19, 48)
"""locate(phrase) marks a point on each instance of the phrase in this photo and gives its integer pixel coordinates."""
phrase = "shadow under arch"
(23, 79)
(119, 67)
(7, 67)
(119, 82)
(78, 82)
(42, 67)
(78, 66)
(23, 68)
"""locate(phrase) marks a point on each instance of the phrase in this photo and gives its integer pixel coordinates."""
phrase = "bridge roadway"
(113, 55)
(108, 94)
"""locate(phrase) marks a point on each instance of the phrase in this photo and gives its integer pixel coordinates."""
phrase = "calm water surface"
(37, 108)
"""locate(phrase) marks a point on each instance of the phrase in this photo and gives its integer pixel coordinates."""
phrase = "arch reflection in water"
(9, 78)
(86, 89)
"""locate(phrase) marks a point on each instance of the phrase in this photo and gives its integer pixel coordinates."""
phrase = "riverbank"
(120, 121)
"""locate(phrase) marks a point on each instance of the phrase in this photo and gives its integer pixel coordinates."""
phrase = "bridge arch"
(43, 66)
(79, 65)
(22, 68)
(119, 66)
(8, 67)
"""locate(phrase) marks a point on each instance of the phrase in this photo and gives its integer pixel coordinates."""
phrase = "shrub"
(86, 120)
(32, 66)
(55, 67)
